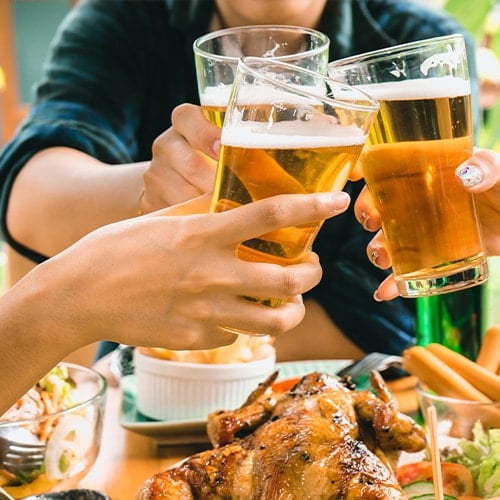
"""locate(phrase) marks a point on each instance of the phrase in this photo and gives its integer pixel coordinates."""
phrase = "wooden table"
(127, 459)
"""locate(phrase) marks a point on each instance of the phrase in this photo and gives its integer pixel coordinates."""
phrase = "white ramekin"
(176, 391)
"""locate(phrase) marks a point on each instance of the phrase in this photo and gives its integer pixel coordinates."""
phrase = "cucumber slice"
(431, 496)
(418, 488)
(422, 490)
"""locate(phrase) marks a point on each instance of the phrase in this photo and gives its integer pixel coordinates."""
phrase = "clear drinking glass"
(424, 130)
(217, 55)
(287, 130)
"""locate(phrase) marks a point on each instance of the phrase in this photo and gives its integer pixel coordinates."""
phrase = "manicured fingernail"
(342, 198)
(376, 296)
(216, 147)
(364, 220)
(469, 175)
(374, 255)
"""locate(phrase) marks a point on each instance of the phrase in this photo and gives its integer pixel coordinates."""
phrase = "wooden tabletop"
(127, 459)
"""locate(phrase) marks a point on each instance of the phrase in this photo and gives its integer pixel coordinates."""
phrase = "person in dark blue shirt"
(101, 126)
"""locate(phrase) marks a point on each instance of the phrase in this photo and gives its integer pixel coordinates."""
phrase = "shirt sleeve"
(88, 98)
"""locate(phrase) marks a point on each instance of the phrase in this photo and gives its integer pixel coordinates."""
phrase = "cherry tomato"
(285, 385)
(457, 479)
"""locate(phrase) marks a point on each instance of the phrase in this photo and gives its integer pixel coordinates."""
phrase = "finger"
(257, 318)
(356, 173)
(278, 212)
(365, 211)
(188, 121)
(378, 252)
(189, 171)
(387, 290)
(263, 279)
(480, 172)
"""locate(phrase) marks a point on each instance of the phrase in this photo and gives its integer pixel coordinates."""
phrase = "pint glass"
(423, 132)
(217, 55)
(287, 130)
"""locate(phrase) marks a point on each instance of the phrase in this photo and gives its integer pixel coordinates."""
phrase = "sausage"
(489, 354)
(438, 376)
(480, 377)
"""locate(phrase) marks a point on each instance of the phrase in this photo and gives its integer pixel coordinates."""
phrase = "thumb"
(480, 172)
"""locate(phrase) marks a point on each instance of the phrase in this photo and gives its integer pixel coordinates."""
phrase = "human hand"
(184, 160)
(480, 175)
(171, 281)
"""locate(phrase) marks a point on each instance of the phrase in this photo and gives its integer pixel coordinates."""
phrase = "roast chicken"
(322, 439)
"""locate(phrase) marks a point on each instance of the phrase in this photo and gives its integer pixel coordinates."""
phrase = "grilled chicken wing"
(307, 443)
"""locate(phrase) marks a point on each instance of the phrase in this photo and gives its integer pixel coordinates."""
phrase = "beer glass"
(287, 130)
(422, 133)
(217, 55)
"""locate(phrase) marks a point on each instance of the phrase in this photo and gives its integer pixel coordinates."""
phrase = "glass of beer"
(423, 131)
(217, 55)
(287, 130)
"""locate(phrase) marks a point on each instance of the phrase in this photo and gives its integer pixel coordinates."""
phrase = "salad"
(470, 469)
(67, 437)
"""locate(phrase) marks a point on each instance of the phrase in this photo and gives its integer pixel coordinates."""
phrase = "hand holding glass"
(422, 133)
(287, 130)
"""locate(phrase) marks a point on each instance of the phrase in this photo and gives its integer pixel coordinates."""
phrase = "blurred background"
(27, 27)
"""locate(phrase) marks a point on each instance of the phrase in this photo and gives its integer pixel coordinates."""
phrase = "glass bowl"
(64, 412)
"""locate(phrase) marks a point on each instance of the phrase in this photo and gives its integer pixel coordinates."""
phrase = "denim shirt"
(116, 69)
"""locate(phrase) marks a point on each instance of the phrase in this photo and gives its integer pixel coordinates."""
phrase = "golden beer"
(422, 133)
(214, 103)
(253, 167)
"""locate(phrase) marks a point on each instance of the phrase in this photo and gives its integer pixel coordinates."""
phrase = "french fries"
(245, 348)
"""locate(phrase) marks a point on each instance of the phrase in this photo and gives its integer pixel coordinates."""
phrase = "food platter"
(193, 431)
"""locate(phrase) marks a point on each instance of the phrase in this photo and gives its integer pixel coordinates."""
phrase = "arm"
(180, 274)
(61, 194)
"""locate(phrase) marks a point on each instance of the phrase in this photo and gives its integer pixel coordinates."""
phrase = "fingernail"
(374, 255)
(342, 197)
(364, 220)
(216, 147)
(376, 296)
(469, 175)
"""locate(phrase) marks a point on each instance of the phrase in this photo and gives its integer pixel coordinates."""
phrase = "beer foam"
(216, 96)
(291, 135)
(425, 88)
(251, 95)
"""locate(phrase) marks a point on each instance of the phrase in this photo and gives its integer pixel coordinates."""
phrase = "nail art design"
(374, 256)
(363, 219)
(469, 175)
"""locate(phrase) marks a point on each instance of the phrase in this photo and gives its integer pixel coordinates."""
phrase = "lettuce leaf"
(481, 456)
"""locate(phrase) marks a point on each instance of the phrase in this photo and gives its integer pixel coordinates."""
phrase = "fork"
(20, 451)
(360, 370)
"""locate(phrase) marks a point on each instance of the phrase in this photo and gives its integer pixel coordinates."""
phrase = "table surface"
(127, 459)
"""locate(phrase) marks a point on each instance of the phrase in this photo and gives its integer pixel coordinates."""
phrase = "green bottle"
(453, 319)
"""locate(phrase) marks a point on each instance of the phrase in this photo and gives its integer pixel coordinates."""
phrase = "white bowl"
(175, 390)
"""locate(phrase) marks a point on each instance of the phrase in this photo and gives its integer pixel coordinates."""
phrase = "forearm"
(62, 194)
(36, 332)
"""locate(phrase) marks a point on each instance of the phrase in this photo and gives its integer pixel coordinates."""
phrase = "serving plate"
(194, 431)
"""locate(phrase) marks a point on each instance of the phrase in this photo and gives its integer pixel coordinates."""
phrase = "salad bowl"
(63, 416)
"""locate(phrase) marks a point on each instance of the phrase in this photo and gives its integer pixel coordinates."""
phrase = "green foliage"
(473, 16)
